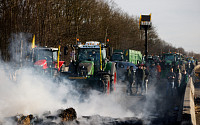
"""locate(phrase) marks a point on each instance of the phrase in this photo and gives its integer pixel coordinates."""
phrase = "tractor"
(91, 69)
(46, 61)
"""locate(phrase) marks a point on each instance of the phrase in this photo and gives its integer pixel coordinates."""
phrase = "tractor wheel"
(106, 84)
(113, 78)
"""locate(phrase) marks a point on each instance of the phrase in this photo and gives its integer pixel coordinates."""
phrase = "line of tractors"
(172, 60)
(93, 65)
(90, 67)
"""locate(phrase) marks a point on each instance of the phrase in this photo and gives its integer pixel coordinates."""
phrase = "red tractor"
(46, 60)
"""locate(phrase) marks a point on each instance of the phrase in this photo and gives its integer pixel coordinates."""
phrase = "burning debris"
(67, 114)
(63, 115)
(23, 120)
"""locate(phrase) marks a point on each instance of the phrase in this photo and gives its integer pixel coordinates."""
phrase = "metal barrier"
(187, 108)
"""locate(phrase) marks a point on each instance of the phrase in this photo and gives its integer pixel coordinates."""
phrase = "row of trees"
(54, 21)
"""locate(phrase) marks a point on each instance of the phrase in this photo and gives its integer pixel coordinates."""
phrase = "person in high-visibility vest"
(158, 67)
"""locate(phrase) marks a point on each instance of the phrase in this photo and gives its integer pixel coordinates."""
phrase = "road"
(154, 108)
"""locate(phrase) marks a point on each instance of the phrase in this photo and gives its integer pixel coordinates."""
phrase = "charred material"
(63, 115)
(24, 120)
(67, 114)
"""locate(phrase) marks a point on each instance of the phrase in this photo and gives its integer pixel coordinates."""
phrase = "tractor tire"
(106, 84)
(113, 78)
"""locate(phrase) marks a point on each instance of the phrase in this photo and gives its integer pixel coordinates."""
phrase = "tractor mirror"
(65, 50)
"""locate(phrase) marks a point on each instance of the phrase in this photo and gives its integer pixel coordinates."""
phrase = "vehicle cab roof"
(47, 49)
(90, 44)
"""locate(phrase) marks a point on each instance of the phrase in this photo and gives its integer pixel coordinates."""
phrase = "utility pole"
(146, 42)
(145, 24)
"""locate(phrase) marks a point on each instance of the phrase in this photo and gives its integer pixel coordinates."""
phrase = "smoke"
(34, 94)
(19, 47)
(24, 91)
(28, 94)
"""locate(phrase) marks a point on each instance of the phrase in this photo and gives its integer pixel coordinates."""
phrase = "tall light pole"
(145, 24)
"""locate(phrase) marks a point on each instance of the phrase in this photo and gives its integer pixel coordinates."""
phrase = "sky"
(176, 21)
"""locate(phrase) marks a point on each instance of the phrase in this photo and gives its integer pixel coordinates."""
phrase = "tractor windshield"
(169, 57)
(46, 55)
(89, 54)
(117, 57)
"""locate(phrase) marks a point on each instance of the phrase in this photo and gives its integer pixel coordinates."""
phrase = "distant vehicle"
(150, 59)
(46, 60)
(122, 68)
(170, 60)
(190, 60)
(127, 55)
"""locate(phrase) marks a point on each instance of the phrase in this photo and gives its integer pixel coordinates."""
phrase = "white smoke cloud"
(24, 91)
(34, 94)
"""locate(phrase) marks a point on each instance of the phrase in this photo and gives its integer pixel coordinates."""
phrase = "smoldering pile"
(61, 116)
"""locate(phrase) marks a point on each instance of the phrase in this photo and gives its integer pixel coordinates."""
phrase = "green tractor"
(169, 60)
(91, 69)
(180, 60)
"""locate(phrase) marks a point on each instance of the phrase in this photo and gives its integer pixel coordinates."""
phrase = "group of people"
(144, 75)
(141, 77)
(177, 81)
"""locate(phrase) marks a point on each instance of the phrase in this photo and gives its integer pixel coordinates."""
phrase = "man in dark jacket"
(131, 79)
(140, 75)
(178, 77)
(171, 78)
(184, 81)
(152, 74)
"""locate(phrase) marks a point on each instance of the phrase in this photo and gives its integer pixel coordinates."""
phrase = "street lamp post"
(145, 24)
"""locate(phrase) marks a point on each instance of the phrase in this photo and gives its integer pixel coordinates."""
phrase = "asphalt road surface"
(153, 108)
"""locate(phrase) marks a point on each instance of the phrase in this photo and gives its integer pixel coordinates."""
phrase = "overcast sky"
(176, 21)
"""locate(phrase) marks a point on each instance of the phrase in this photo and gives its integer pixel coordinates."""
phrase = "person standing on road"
(126, 78)
(158, 67)
(196, 62)
(140, 74)
(171, 78)
(188, 67)
(126, 75)
(184, 81)
(146, 78)
(152, 74)
(178, 77)
(131, 79)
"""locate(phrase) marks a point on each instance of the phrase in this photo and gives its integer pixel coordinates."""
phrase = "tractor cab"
(46, 59)
(91, 69)
(169, 58)
(91, 56)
